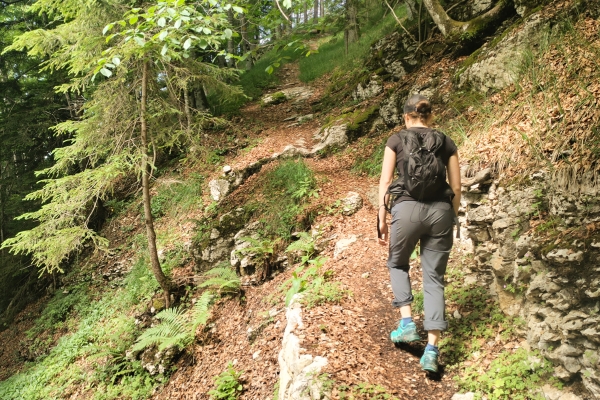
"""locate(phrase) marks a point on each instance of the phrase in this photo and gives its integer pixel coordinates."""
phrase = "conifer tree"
(135, 109)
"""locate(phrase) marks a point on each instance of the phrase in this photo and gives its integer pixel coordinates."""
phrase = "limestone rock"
(342, 245)
(219, 188)
(239, 258)
(509, 303)
(154, 361)
(298, 372)
(291, 151)
(496, 67)
(552, 393)
(480, 215)
(305, 118)
(332, 137)
(298, 94)
(351, 203)
(465, 396)
(391, 110)
(368, 90)
(562, 256)
(396, 54)
(591, 380)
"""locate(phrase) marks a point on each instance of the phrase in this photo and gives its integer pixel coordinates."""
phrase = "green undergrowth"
(96, 318)
(176, 197)
(481, 319)
(99, 333)
(513, 375)
(369, 156)
(362, 390)
(332, 54)
(257, 79)
(227, 384)
(285, 193)
(475, 334)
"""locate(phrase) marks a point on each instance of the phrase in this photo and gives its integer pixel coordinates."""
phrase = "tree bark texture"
(322, 7)
(163, 281)
(351, 33)
(456, 30)
(230, 46)
(305, 13)
(316, 12)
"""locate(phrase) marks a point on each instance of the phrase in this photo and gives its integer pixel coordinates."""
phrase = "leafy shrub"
(481, 318)
(227, 384)
(305, 245)
(333, 55)
(321, 291)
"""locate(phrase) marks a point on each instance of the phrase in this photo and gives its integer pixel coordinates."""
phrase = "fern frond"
(225, 280)
(222, 272)
(201, 310)
(174, 330)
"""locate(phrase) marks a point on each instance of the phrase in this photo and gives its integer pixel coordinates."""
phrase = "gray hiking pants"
(431, 223)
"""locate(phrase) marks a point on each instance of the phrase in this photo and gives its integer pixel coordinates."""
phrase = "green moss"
(278, 97)
(357, 119)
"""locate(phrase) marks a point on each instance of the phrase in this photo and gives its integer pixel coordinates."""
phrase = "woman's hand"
(383, 230)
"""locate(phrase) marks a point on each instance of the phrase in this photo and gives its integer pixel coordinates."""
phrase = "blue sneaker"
(405, 334)
(429, 361)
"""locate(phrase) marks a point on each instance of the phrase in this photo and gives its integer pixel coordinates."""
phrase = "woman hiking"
(423, 211)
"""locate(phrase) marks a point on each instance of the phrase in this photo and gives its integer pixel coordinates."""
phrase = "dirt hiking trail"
(352, 335)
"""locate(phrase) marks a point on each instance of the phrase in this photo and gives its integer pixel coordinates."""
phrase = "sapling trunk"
(163, 281)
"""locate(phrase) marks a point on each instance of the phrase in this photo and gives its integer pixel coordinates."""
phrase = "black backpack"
(423, 173)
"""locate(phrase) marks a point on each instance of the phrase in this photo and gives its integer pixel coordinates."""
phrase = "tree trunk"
(316, 12)
(251, 44)
(351, 33)
(163, 281)
(322, 6)
(188, 109)
(230, 47)
(305, 12)
(454, 30)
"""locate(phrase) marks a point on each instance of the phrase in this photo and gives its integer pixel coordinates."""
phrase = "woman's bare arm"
(387, 175)
(454, 180)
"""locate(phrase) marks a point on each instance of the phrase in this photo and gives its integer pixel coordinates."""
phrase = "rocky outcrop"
(367, 90)
(298, 372)
(542, 273)
(496, 65)
(396, 54)
(216, 245)
(231, 180)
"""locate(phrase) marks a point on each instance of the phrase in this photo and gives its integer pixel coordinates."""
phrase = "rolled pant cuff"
(430, 325)
(398, 303)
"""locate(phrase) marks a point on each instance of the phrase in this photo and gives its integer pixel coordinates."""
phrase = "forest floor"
(354, 334)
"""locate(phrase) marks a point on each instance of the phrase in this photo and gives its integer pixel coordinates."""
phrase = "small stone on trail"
(227, 169)
(465, 396)
(365, 275)
(457, 314)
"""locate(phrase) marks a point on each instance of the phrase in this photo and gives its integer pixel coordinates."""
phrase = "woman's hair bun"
(423, 107)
